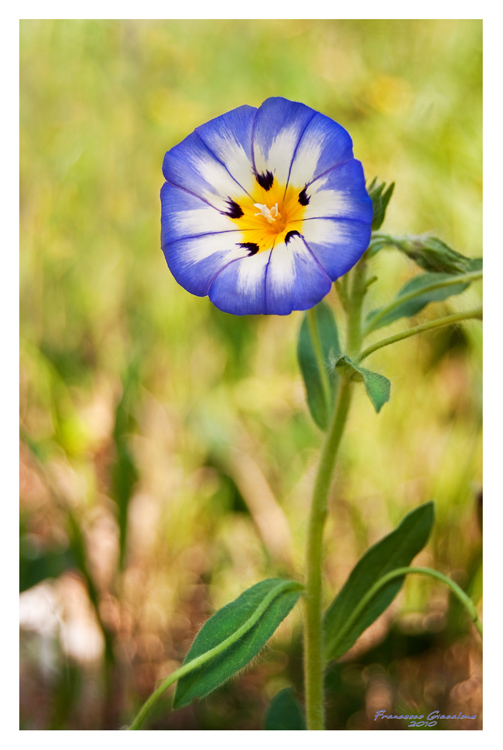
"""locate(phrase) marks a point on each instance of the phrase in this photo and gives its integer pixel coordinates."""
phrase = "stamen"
(270, 214)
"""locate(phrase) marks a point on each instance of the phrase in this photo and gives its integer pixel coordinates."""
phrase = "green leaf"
(240, 630)
(331, 350)
(285, 712)
(377, 386)
(417, 293)
(381, 196)
(394, 551)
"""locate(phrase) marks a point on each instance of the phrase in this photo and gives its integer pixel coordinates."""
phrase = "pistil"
(270, 214)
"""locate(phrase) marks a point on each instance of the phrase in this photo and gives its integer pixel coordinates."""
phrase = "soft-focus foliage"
(166, 446)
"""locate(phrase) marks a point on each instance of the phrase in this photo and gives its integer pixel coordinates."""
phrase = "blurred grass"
(148, 410)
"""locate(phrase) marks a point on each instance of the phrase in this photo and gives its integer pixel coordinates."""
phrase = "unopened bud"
(434, 255)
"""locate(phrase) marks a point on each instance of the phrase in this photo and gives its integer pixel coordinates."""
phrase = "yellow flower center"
(269, 216)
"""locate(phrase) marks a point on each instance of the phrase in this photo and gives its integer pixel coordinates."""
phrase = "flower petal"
(193, 166)
(279, 125)
(295, 279)
(195, 262)
(337, 220)
(340, 193)
(229, 138)
(323, 145)
(240, 287)
(184, 215)
(337, 243)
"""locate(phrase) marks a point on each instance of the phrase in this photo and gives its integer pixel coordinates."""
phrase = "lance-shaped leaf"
(330, 350)
(396, 550)
(234, 635)
(285, 712)
(415, 295)
(377, 386)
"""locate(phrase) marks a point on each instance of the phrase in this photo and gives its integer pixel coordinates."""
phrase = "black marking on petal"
(265, 180)
(289, 235)
(303, 197)
(235, 211)
(252, 247)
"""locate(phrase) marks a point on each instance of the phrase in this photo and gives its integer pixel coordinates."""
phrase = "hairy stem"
(313, 645)
(464, 278)
(430, 325)
(314, 663)
(358, 291)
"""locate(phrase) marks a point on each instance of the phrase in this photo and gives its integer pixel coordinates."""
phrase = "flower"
(262, 209)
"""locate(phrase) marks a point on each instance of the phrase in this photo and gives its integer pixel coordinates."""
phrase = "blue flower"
(262, 209)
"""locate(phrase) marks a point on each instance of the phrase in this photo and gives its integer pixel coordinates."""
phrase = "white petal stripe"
(199, 221)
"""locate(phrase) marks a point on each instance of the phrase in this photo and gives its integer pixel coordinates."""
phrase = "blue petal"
(287, 278)
(337, 220)
(196, 261)
(240, 287)
(194, 166)
(323, 145)
(229, 138)
(295, 279)
(337, 243)
(340, 193)
(184, 215)
(279, 125)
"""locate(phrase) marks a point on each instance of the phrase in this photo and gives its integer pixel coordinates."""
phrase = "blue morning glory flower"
(262, 209)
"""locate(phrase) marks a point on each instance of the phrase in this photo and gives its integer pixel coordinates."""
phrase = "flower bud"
(380, 199)
(432, 254)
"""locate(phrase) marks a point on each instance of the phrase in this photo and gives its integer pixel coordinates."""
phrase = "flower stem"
(430, 325)
(313, 648)
(358, 291)
(314, 663)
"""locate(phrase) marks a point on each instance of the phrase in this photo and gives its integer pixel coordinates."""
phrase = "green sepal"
(396, 550)
(381, 196)
(275, 596)
(285, 712)
(331, 350)
(410, 307)
(377, 386)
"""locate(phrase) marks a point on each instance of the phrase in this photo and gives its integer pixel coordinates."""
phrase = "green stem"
(342, 291)
(464, 278)
(398, 573)
(318, 353)
(313, 645)
(430, 325)
(208, 655)
(314, 662)
(358, 291)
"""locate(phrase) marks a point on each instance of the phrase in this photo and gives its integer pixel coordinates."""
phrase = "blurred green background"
(167, 455)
